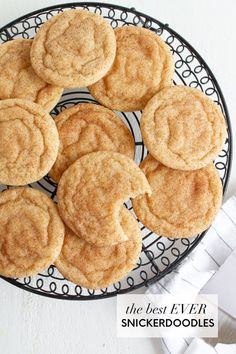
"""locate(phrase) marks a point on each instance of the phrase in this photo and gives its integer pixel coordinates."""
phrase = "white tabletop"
(30, 324)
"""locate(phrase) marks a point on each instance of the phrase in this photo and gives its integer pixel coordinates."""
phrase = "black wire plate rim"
(175, 263)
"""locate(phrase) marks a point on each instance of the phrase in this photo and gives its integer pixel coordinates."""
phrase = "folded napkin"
(198, 346)
(199, 272)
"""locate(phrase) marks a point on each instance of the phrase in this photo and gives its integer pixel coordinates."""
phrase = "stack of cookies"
(90, 236)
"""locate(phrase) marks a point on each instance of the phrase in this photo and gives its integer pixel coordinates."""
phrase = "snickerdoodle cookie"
(87, 128)
(91, 192)
(29, 142)
(183, 203)
(73, 49)
(183, 128)
(143, 65)
(18, 79)
(98, 267)
(31, 232)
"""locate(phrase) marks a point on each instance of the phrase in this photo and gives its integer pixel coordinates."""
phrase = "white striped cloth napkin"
(196, 270)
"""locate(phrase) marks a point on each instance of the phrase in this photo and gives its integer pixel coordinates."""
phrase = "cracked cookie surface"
(98, 267)
(29, 142)
(91, 192)
(143, 66)
(183, 203)
(31, 232)
(73, 49)
(183, 128)
(87, 128)
(18, 79)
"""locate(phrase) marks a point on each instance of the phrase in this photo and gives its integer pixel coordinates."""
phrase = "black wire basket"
(159, 255)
